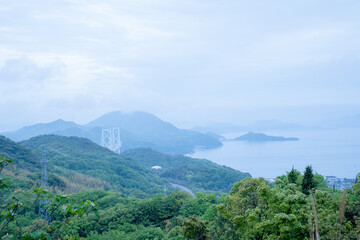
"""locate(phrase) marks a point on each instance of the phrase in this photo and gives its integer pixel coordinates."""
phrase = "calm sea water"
(330, 152)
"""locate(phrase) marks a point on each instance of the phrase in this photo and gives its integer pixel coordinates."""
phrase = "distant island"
(261, 137)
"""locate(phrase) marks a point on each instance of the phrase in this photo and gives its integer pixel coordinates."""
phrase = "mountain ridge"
(138, 129)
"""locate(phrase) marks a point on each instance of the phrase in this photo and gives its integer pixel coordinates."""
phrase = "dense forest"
(197, 174)
(96, 194)
(298, 207)
(78, 164)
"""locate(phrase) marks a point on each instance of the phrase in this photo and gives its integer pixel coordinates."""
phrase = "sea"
(330, 152)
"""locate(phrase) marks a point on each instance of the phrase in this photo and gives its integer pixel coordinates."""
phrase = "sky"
(190, 62)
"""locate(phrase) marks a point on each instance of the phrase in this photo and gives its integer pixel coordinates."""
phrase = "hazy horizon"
(191, 124)
(189, 62)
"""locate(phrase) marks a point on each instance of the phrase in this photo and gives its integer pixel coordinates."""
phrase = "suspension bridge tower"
(110, 138)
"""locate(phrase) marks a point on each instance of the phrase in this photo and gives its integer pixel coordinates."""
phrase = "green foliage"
(194, 228)
(197, 174)
(175, 233)
(22, 156)
(308, 182)
(283, 212)
(293, 176)
(61, 208)
(246, 207)
(289, 212)
(251, 210)
(146, 212)
(133, 217)
(4, 182)
(103, 198)
(319, 182)
(141, 233)
(18, 203)
(148, 233)
(78, 164)
(199, 205)
(27, 173)
(149, 158)
(222, 229)
(80, 155)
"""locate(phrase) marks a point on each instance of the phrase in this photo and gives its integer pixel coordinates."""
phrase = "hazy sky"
(194, 61)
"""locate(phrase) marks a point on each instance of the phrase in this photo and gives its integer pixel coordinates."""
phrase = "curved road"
(185, 189)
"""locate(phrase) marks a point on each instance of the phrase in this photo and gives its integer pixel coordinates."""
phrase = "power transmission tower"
(43, 213)
(110, 138)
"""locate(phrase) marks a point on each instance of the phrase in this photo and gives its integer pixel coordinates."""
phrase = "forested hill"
(131, 172)
(80, 155)
(25, 173)
(138, 129)
(23, 157)
(196, 174)
(77, 164)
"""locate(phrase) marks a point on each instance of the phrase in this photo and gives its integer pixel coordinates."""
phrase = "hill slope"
(82, 156)
(26, 172)
(23, 157)
(196, 174)
(76, 164)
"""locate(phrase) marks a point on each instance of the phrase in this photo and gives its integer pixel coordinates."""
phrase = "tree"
(246, 207)
(194, 228)
(62, 209)
(293, 176)
(308, 182)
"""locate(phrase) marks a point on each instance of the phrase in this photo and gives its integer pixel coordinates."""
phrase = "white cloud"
(299, 48)
(158, 55)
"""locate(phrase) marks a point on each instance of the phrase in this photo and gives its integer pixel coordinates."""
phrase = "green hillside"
(26, 172)
(251, 210)
(82, 156)
(23, 157)
(196, 174)
(76, 164)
